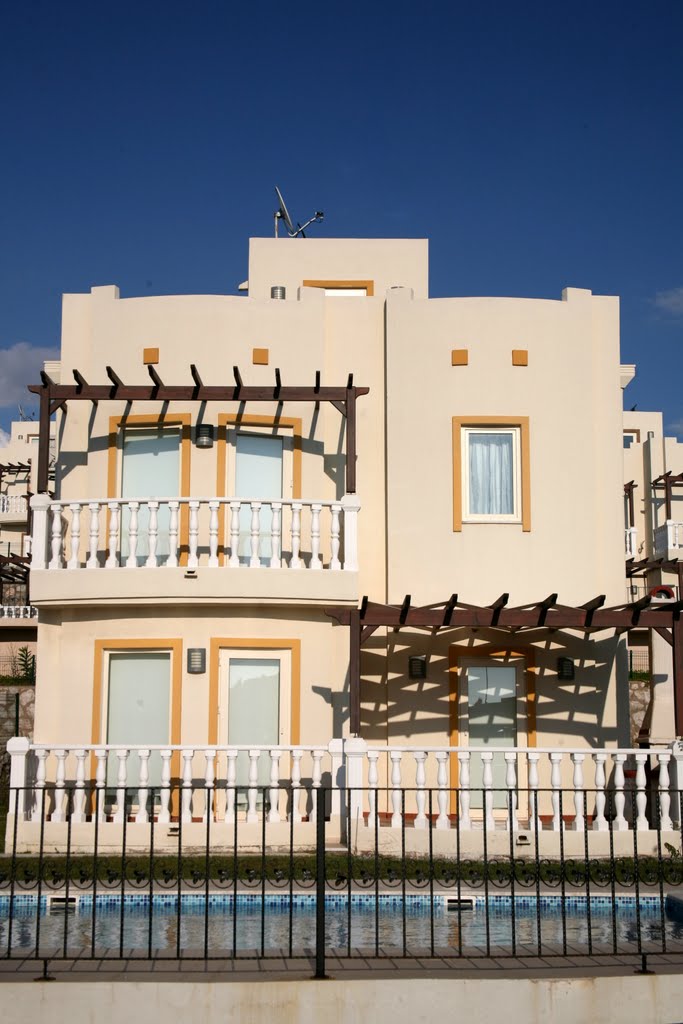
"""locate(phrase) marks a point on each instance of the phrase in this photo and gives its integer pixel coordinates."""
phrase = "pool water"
(266, 926)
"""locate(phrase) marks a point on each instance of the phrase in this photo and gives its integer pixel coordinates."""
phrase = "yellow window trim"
(239, 643)
(368, 285)
(522, 423)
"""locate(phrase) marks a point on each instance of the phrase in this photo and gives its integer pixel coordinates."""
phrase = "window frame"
(491, 517)
(490, 424)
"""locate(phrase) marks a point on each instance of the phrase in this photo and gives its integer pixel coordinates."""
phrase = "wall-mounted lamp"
(278, 291)
(565, 668)
(204, 438)
(196, 660)
(417, 666)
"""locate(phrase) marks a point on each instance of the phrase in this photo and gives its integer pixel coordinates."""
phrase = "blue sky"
(537, 145)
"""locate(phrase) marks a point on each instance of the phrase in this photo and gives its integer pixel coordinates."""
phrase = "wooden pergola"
(54, 396)
(591, 617)
(667, 482)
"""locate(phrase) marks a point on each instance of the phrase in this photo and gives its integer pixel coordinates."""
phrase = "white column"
(153, 534)
(252, 792)
(534, 816)
(74, 560)
(113, 559)
(373, 779)
(121, 779)
(186, 794)
(511, 784)
(213, 533)
(165, 792)
(276, 535)
(132, 560)
(599, 819)
(40, 507)
(296, 784)
(335, 749)
(100, 783)
(351, 507)
(556, 786)
(78, 810)
(143, 791)
(173, 520)
(56, 536)
(295, 562)
(641, 823)
(487, 780)
(666, 823)
(355, 751)
(677, 781)
(579, 824)
(209, 782)
(41, 770)
(420, 794)
(464, 819)
(234, 559)
(335, 536)
(255, 532)
(60, 778)
(619, 824)
(396, 815)
(316, 560)
(274, 794)
(317, 756)
(230, 779)
(17, 748)
(93, 535)
(442, 794)
(192, 559)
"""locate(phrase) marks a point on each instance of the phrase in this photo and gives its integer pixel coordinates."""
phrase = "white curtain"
(491, 474)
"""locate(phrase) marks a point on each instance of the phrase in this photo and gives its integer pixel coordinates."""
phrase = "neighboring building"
(215, 553)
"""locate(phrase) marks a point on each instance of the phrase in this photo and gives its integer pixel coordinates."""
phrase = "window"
(491, 471)
(629, 439)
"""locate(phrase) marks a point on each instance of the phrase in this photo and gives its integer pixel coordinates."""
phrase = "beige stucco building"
(197, 540)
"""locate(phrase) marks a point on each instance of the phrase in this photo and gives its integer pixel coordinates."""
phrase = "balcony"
(13, 508)
(631, 541)
(175, 550)
(669, 540)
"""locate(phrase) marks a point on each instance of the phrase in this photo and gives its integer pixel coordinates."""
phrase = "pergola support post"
(677, 658)
(354, 672)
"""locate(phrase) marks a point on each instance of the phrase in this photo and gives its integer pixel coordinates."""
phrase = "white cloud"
(4, 438)
(20, 365)
(670, 302)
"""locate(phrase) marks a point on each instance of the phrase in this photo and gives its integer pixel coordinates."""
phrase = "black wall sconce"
(417, 666)
(196, 660)
(565, 668)
(204, 438)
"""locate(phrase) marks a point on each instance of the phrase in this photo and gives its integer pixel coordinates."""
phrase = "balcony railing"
(18, 611)
(195, 532)
(14, 504)
(668, 538)
(631, 541)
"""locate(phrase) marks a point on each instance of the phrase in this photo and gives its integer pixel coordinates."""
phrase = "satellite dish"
(282, 214)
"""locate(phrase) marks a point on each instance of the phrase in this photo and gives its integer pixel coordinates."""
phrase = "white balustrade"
(664, 794)
(373, 780)
(146, 532)
(396, 794)
(143, 792)
(186, 788)
(420, 782)
(620, 823)
(631, 541)
(511, 784)
(668, 537)
(274, 794)
(14, 504)
(487, 780)
(464, 819)
(556, 783)
(165, 790)
(641, 796)
(442, 758)
(579, 823)
(121, 783)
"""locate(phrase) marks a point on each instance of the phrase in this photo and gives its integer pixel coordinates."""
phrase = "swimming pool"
(248, 924)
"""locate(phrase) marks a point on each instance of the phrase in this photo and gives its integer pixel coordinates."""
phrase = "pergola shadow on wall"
(14, 579)
(55, 396)
(662, 616)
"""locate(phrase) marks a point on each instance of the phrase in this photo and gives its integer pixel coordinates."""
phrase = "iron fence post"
(320, 883)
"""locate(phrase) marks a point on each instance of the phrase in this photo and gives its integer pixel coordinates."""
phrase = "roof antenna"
(282, 214)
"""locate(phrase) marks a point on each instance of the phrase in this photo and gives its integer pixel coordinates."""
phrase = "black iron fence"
(88, 888)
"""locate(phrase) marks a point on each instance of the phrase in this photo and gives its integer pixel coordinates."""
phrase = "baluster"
(556, 786)
(252, 792)
(143, 792)
(511, 784)
(396, 817)
(100, 783)
(579, 824)
(534, 816)
(58, 811)
(94, 535)
(186, 795)
(295, 561)
(153, 534)
(234, 560)
(464, 789)
(641, 822)
(599, 820)
(665, 822)
(121, 779)
(373, 780)
(316, 560)
(173, 518)
(420, 794)
(316, 776)
(334, 535)
(213, 533)
(132, 560)
(78, 814)
(165, 792)
(296, 784)
(442, 794)
(56, 536)
(276, 535)
(487, 782)
(74, 561)
(209, 781)
(274, 794)
(113, 558)
(41, 771)
(192, 559)
(620, 823)
(255, 561)
(230, 781)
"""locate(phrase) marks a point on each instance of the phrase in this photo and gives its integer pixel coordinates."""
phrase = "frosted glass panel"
(151, 469)
(491, 476)
(138, 709)
(258, 474)
(253, 711)
(492, 721)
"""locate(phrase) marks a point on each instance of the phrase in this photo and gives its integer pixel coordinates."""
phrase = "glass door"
(490, 713)
(253, 713)
(150, 468)
(138, 710)
(258, 475)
